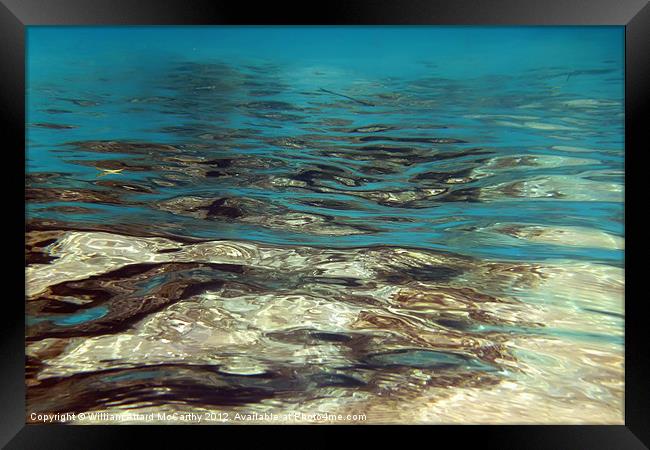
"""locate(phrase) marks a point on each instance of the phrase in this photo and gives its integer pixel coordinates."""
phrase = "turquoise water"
(445, 75)
(442, 202)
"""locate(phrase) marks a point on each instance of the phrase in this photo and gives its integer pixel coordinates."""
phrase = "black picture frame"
(15, 15)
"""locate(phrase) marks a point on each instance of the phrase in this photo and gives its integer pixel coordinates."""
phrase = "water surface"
(331, 220)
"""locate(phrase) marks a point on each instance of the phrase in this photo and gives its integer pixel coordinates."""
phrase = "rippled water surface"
(400, 224)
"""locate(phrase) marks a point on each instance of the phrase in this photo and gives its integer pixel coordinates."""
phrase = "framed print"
(375, 215)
